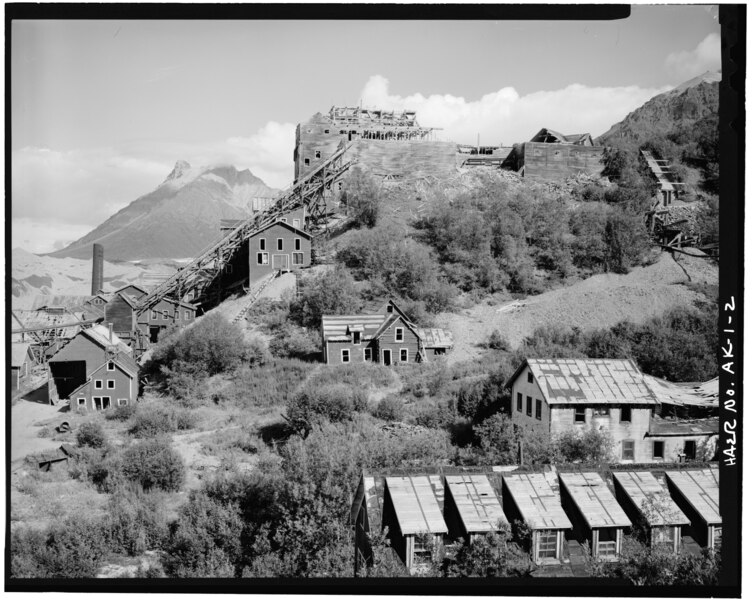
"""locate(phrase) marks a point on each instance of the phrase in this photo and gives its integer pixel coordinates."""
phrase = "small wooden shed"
(596, 515)
(529, 497)
(471, 507)
(697, 494)
(414, 517)
(648, 503)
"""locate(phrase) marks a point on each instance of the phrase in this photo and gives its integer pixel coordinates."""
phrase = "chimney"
(109, 327)
(98, 258)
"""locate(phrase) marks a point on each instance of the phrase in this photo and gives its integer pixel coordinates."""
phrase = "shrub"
(329, 293)
(497, 342)
(497, 440)
(121, 413)
(390, 408)
(295, 342)
(360, 196)
(591, 445)
(136, 521)
(269, 385)
(333, 402)
(153, 464)
(152, 420)
(493, 555)
(91, 434)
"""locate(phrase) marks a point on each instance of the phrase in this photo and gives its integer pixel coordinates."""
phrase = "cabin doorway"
(97, 403)
(280, 262)
(387, 357)
(154, 334)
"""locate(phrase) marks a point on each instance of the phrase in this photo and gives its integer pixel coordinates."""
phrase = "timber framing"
(200, 279)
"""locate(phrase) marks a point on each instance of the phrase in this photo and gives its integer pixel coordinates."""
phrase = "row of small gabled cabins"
(422, 513)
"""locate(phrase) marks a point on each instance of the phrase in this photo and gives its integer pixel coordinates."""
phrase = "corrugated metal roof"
(19, 354)
(704, 394)
(537, 502)
(594, 500)
(477, 504)
(587, 381)
(31, 319)
(415, 505)
(335, 328)
(642, 487)
(701, 489)
(436, 338)
(669, 427)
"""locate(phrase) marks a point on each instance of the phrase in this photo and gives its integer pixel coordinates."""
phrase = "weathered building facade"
(696, 492)
(279, 247)
(167, 313)
(551, 156)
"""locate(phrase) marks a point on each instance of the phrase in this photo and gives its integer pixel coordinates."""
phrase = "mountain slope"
(179, 218)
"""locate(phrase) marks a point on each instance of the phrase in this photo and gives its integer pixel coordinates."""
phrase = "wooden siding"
(81, 349)
(553, 162)
(124, 388)
(386, 341)
(121, 315)
(527, 389)
(285, 256)
(334, 350)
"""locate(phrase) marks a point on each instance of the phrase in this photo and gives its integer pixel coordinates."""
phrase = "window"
(81, 401)
(97, 384)
(530, 377)
(317, 154)
(297, 243)
(262, 243)
(357, 337)
(659, 450)
(538, 409)
(306, 161)
(110, 384)
(298, 258)
(326, 131)
(403, 354)
(398, 334)
(529, 405)
(520, 402)
(601, 411)
(154, 314)
(547, 543)
(186, 314)
(580, 414)
(689, 450)
(628, 450)
(607, 542)
(122, 401)
(279, 243)
(111, 366)
(262, 258)
(297, 223)
(345, 356)
(165, 315)
(625, 415)
(389, 308)
(285, 220)
(367, 354)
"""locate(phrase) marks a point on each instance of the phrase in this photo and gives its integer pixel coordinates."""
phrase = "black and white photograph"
(374, 299)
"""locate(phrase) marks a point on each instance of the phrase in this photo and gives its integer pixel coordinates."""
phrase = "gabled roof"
(476, 501)
(393, 318)
(579, 138)
(295, 230)
(536, 501)
(545, 133)
(100, 335)
(701, 490)
(594, 500)
(644, 490)
(131, 285)
(335, 327)
(415, 505)
(588, 381)
(19, 354)
(129, 300)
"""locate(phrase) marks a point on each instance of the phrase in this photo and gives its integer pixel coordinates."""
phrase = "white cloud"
(505, 116)
(40, 237)
(706, 56)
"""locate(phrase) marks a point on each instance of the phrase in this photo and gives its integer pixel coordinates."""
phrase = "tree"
(590, 446)
(497, 439)
(154, 464)
(493, 555)
(329, 293)
(92, 435)
(360, 196)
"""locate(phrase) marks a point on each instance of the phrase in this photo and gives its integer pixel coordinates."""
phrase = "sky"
(102, 110)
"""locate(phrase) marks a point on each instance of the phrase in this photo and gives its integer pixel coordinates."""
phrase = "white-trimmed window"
(97, 384)
(345, 355)
(399, 334)
(81, 401)
(279, 244)
(306, 161)
(367, 354)
(297, 243)
(110, 384)
(110, 366)
(403, 354)
(580, 414)
(297, 223)
(298, 258)
(186, 314)
(262, 258)
(154, 315)
(262, 244)
(165, 315)
(317, 154)
(122, 401)
(628, 450)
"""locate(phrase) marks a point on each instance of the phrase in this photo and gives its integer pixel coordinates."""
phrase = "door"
(387, 357)
(280, 262)
(97, 402)
(689, 450)
(153, 334)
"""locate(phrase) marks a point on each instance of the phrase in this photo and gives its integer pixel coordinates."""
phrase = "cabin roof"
(416, 505)
(436, 338)
(642, 487)
(705, 394)
(701, 490)
(335, 327)
(537, 502)
(19, 354)
(295, 230)
(682, 427)
(476, 501)
(594, 500)
(588, 381)
(101, 336)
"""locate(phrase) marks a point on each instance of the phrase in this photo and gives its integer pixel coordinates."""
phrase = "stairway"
(255, 294)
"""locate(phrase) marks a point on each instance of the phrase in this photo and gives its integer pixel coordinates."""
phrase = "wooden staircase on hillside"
(255, 295)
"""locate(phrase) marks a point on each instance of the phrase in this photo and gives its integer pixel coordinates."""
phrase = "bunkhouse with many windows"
(554, 396)
(94, 371)
(648, 504)
(596, 515)
(167, 313)
(387, 337)
(282, 246)
(696, 492)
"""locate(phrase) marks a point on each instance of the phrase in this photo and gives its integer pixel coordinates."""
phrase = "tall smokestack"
(98, 260)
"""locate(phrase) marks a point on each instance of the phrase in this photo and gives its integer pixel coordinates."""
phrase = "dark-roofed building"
(530, 498)
(696, 492)
(133, 290)
(596, 515)
(94, 371)
(648, 503)
(387, 337)
(471, 507)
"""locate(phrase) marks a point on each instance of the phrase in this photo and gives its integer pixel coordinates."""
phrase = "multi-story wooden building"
(280, 246)
(167, 313)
